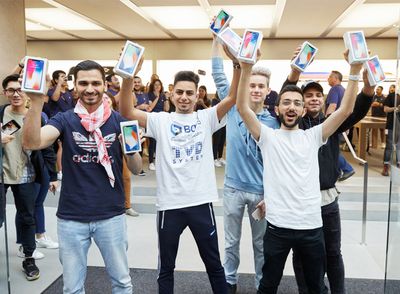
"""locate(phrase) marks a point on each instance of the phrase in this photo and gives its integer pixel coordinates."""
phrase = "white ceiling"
(113, 19)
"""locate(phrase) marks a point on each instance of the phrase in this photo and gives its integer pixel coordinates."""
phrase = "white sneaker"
(46, 242)
(36, 254)
(217, 163)
(152, 166)
(59, 176)
(131, 212)
(222, 161)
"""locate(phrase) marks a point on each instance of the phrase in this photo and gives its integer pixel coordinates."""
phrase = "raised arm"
(362, 105)
(331, 124)
(126, 106)
(218, 74)
(242, 102)
(35, 137)
(226, 104)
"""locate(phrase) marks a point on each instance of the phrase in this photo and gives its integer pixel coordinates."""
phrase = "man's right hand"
(6, 138)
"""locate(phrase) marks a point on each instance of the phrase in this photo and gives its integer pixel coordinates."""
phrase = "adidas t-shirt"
(86, 193)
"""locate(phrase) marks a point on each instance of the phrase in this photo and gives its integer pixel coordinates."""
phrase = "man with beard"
(291, 176)
(92, 198)
(113, 85)
(328, 175)
(142, 99)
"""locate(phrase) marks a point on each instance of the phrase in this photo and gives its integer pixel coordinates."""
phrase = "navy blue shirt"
(86, 193)
(335, 96)
(160, 103)
(142, 98)
(64, 103)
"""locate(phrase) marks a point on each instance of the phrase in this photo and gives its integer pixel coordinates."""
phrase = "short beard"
(289, 126)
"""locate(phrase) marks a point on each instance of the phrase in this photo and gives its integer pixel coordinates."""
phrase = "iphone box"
(355, 42)
(129, 60)
(375, 71)
(250, 43)
(34, 75)
(231, 39)
(221, 21)
(305, 56)
(130, 137)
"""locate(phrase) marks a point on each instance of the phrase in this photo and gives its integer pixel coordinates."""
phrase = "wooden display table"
(363, 125)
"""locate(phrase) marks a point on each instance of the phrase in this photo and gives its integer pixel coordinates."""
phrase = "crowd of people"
(282, 161)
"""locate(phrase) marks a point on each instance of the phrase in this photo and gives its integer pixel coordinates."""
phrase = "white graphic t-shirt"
(184, 158)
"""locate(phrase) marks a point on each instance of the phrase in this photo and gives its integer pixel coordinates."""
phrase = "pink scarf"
(92, 123)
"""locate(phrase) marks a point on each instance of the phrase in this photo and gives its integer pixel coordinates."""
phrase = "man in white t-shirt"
(186, 185)
(291, 173)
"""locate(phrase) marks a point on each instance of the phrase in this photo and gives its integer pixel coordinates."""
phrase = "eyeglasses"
(296, 103)
(11, 91)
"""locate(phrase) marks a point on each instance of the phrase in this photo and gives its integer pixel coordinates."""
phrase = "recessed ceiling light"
(59, 19)
(195, 17)
(372, 16)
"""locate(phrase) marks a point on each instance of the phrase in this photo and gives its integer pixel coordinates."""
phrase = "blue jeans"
(344, 165)
(41, 189)
(235, 202)
(389, 148)
(334, 260)
(110, 237)
(309, 245)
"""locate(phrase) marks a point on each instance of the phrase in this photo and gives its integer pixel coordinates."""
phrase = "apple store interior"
(176, 36)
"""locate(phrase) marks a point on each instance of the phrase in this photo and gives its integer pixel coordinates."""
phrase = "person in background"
(170, 107)
(390, 109)
(377, 109)
(219, 138)
(113, 84)
(270, 100)
(333, 102)
(203, 102)
(60, 99)
(157, 104)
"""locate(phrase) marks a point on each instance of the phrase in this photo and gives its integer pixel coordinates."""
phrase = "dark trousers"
(41, 189)
(24, 198)
(334, 260)
(201, 221)
(152, 149)
(219, 138)
(309, 245)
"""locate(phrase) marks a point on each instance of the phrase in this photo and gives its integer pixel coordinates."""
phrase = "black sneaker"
(142, 173)
(345, 176)
(231, 288)
(30, 269)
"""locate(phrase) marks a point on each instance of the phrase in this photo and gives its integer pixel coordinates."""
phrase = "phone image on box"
(305, 56)
(250, 43)
(129, 59)
(355, 42)
(34, 75)
(10, 128)
(221, 21)
(359, 46)
(231, 39)
(130, 136)
(375, 71)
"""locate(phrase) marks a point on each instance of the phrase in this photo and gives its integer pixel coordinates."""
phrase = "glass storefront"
(392, 270)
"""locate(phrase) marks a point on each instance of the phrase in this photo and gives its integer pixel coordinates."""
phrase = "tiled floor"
(361, 260)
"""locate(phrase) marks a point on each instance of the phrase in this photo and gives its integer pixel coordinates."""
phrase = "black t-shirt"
(389, 102)
(378, 110)
(86, 193)
(269, 102)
